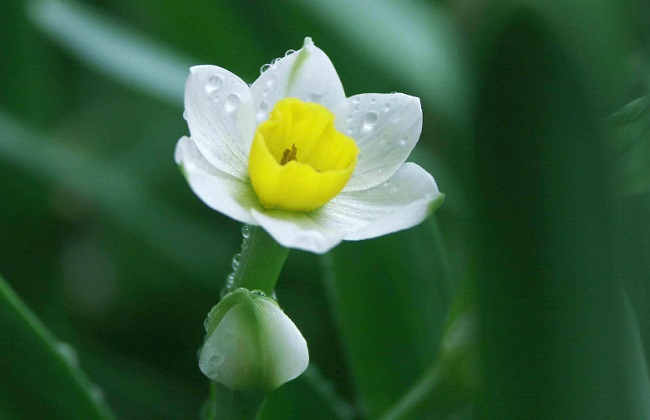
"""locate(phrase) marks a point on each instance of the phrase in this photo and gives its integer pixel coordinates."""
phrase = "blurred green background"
(542, 245)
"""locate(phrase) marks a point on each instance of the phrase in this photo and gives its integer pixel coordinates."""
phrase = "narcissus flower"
(291, 153)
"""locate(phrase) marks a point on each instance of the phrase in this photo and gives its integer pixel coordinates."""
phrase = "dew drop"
(235, 261)
(213, 84)
(373, 100)
(68, 353)
(355, 100)
(230, 280)
(275, 61)
(265, 92)
(264, 68)
(387, 183)
(271, 81)
(315, 97)
(289, 52)
(246, 231)
(232, 102)
(370, 120)
(403, 141)
(258, 292)
(216, 360)
(185, 115)
(387, 106)
(264, 106)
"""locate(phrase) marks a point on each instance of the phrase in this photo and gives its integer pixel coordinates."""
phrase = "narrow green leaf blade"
(390, 297)
(32, 359)
(118, 52)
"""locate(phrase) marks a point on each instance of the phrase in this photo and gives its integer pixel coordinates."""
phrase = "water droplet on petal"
(370, 120)
(270, 81)
(232, 102)
(216, 360)
(185, 115)
(387, 106)
(264, 106)
(315, 97)
(289, 52)
(258, 292)
(403, 141)
(355, 100)
(275, 61)
(373, 100)
(213, 84)
(264, 68)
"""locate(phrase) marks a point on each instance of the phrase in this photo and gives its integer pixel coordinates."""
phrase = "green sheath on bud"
(250, 344)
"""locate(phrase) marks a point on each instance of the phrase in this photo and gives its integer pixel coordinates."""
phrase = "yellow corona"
(298, 160)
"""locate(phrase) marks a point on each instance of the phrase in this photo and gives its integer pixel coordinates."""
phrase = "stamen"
(289, 155)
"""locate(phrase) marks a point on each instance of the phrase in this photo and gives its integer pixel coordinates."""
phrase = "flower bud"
(250, 344)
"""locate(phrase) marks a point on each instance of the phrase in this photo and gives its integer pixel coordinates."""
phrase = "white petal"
(287, 351)
(308, 74)
(386, 128)
(220, 191)
(219, 113)
(403, 201)
(299, 230)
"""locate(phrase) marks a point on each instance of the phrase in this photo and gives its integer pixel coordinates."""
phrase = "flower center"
(298, 161)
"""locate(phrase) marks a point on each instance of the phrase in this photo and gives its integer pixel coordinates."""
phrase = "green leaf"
(555, 336)
(112, 49)
(390, 297)
(32, 359)
(118, 195)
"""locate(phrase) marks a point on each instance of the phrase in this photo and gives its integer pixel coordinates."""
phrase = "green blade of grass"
(390, 298)
(35, 363)
(117, 195)
(118, 52)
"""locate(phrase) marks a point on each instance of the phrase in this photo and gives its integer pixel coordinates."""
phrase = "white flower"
(252, 145)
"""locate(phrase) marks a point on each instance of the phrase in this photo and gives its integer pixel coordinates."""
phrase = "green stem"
(260, 262)
(256, 268)
(226, 404)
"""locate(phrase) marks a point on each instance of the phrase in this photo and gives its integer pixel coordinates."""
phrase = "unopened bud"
(251, 344)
